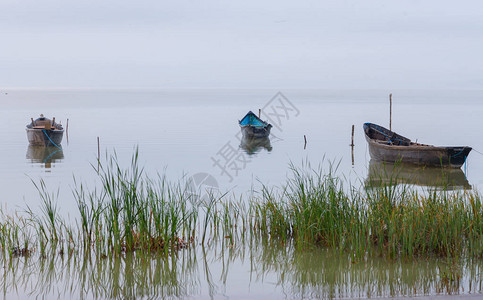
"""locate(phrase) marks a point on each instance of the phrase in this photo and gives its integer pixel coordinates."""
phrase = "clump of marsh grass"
(130, 211)
(312, 208)
(134, 212)
(16, 238)
(392, 220)
(438, 222)
(50, 227)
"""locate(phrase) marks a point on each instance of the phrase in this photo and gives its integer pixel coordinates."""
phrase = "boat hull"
(255, 132)
(412, 153)
(44, 137)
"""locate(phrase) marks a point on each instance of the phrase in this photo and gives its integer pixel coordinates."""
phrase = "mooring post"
(305, 144)
(352, 154)
(352, 145)
(352, 137)
(260, 113)
(390, 112)
(98, 155)
(67, 130)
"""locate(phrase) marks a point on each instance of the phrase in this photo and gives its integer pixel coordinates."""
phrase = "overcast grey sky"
(433, 44)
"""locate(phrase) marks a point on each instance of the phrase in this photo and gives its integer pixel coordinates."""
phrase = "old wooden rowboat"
(386, 145)
(253, 127)
(44, 132)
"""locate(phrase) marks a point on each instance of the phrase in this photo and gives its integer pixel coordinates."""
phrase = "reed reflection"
(384, 173)
(309, 273)
(253, 145)
(46, 155)
(324, 274)
(130, 276)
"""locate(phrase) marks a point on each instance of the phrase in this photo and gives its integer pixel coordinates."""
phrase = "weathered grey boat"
(386, 145)
(44, 132)
(387, 173)
(253, 127)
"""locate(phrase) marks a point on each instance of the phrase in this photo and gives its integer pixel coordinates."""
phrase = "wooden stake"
(305, 139)
(352, 154)
(67, 131)
(352, 137)
(98, 155)
(260, 113)
(390, 112)
(352, 145)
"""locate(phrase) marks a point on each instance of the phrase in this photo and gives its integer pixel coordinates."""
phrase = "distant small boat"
(44, 132)
(252, 126)
(386, 145)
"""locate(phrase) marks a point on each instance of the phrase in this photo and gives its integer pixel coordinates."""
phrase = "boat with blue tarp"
(386, 145)
(254, 127)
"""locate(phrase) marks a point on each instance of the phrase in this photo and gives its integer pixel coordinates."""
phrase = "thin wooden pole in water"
(390, 112)
(352, 155)
(259, 112)
(305, 144)
(98, 155)
(352, 137)
(67, 130)
(352, 145)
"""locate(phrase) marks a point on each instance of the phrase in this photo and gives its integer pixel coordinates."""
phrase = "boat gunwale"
(417, 147)
(412, 145)
(41, 129)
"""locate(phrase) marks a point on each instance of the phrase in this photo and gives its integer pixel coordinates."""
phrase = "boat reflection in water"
(385, 173)
(252, 145)
(46, 155)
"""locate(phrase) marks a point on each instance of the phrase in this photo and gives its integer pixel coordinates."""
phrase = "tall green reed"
(135, 212)
(314, 209)
(131, 211)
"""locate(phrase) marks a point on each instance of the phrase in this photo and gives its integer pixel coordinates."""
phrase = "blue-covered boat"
(254, 127)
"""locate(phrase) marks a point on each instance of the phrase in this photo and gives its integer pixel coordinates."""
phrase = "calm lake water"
(195, 134)
(245, 272)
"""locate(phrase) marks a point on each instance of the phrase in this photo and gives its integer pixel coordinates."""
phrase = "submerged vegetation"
(132, 212)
